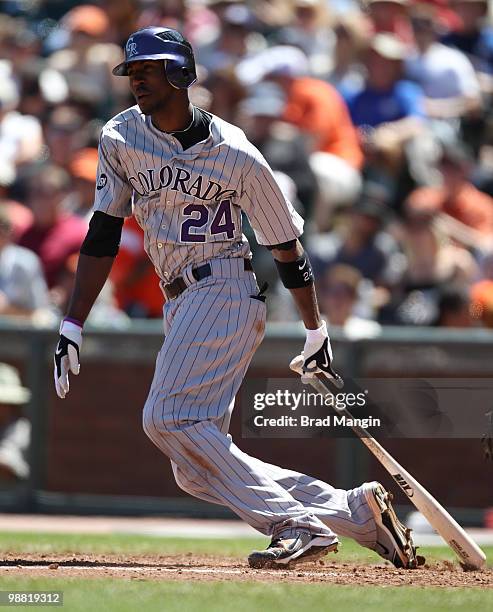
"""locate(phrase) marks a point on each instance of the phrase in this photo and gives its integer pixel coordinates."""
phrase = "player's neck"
(173, 120)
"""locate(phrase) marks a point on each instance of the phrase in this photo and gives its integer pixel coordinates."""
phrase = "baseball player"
(187, 176)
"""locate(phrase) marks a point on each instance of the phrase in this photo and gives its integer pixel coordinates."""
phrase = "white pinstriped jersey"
(189, 202)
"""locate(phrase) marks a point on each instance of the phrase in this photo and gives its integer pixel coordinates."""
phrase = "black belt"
(178, 286)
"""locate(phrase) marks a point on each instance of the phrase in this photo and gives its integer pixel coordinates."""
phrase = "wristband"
(317, 335)
(69, 324)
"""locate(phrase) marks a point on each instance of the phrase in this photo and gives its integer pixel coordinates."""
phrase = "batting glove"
(317, 355)
(67, 356)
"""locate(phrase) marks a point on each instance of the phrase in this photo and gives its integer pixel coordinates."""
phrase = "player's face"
(149, 85)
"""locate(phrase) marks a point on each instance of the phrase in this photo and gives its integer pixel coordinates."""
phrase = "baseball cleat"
(394, 540)
(285, 553)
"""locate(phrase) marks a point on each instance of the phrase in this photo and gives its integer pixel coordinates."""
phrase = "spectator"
(23, 289)
(135, 281)
(226, 93)
(466, 214)
(218, 7)
(236, 39)
(283, 145)
(454, 307)
(123, 19)
(362, 244)
(482, 302)
(315, 108)
(307, 101)
(389, 113)
(169, 14)
(83, 170)
(346, 73)
(54, 233)
(65, 132)
(105, 312)
(310, 31)
(286, 151)
(20, 135)
(20, 44)
(87, 60)
(446, 75)
(432, 262)
(15, 429)
(482, 291)
(20, 216)
(391, 17)
(338, 296)
(431, 258)
(473, 36)
(386, 98)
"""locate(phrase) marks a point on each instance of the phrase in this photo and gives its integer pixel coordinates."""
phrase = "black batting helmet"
(161, 44)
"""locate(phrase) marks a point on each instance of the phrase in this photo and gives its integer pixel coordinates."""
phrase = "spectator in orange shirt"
(133, 276)
(318, 110)
(466, 212)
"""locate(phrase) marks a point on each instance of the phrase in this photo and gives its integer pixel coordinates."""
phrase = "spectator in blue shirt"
(389, 113)
(385, 97)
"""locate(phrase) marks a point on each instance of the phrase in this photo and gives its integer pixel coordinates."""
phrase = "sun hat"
(11, 390)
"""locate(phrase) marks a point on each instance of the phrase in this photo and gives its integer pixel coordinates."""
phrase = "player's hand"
(317, 356)
(67, 356)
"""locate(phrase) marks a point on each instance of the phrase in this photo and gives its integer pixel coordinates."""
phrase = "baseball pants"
(211, 333)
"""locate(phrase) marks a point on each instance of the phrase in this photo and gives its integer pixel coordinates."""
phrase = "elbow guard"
(103, 237)
(295, 274)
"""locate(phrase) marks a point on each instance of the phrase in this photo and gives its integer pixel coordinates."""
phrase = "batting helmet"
(161, 44)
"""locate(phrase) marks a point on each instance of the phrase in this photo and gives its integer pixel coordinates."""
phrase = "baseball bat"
(471, 556)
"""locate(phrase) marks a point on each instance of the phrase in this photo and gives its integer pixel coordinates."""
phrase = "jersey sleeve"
(271, 215)
(113, 193)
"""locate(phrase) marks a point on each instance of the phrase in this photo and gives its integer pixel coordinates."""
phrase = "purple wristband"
(74, 321)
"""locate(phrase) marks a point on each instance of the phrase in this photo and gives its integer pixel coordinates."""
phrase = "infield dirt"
(202, 568)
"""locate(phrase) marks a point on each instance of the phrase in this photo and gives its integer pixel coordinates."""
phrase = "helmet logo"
(131, 47)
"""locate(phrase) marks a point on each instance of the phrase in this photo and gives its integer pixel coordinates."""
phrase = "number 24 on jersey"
(196, 226)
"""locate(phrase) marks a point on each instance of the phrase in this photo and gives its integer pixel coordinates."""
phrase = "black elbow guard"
(103, 237)
(295, 274)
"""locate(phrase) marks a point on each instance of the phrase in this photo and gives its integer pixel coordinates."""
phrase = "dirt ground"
(207, 568)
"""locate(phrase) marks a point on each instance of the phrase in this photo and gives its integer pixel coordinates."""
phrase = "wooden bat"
(471, 556)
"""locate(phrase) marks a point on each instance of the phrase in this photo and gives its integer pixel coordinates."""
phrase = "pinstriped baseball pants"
(211, 333)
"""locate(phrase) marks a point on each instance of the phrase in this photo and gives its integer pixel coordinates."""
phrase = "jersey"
(190, 202)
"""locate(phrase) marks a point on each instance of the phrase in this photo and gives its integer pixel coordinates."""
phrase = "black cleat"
(394, 540)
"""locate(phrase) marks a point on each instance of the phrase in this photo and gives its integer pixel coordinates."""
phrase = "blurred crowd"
(374, 114)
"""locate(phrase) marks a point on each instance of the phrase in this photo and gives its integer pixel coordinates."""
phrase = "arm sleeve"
(271, 214)
(113, 192)
(103, 237)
